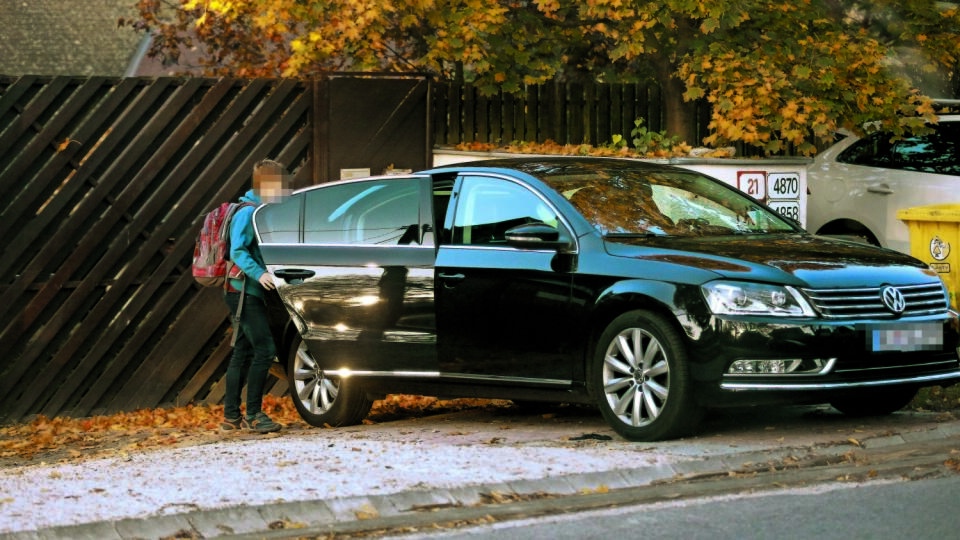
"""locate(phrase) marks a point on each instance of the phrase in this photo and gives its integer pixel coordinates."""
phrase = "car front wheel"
(322, 398)
(640, 377)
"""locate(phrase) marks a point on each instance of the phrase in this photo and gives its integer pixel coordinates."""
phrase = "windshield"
(636, 200)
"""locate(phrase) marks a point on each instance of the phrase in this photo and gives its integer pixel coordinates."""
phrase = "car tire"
(323, 399)
(648, 399)
(874, 401)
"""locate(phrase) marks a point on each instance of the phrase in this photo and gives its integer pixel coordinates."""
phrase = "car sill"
(458, 376)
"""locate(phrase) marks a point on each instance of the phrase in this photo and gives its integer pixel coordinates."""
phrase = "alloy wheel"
(636, 377)
(315, 390)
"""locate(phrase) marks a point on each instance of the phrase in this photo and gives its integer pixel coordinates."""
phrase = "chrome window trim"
(356, 246)
(358, 180)
(498, 248)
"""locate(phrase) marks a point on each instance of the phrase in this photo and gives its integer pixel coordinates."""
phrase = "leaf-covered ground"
(63, 438)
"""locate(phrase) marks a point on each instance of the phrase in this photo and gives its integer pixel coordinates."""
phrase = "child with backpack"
(254, 348)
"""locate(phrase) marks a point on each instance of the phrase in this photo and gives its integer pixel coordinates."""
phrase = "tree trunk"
(679, 116)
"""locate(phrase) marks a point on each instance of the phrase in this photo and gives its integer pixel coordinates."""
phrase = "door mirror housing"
(535, 236)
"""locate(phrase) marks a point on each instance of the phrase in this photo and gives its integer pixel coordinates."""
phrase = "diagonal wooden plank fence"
(104, 182)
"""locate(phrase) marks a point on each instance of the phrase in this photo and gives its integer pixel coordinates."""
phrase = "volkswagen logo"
(893, 299)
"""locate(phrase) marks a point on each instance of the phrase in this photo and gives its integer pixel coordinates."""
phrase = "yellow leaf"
(66, 142)
(367, 512)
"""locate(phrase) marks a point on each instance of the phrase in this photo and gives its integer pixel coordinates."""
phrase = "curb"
(371, 512)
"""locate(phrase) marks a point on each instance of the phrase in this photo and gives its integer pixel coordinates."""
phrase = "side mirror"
(535, 236)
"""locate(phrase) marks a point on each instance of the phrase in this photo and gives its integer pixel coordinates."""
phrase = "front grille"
(867, 303)
(883, 364)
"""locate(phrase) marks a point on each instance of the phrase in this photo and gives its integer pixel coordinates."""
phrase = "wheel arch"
(850, 229)
(631, 295)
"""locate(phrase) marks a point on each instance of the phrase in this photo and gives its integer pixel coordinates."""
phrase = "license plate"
(905, 337)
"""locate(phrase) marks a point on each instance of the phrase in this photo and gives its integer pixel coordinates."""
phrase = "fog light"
(808, 366)
(758, 366)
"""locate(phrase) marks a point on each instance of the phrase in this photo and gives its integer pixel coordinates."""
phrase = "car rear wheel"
(640, 377)
(323, 398)
(874, 401)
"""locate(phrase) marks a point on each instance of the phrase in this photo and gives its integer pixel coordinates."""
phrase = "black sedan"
(651, 291)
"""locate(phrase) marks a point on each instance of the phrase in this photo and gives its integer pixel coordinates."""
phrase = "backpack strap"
(243, 280)
(236, 318)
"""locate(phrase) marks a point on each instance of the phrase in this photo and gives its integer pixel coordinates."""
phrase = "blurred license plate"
(905, 337)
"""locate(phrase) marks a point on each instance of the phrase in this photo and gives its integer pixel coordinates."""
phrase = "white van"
(858, 184)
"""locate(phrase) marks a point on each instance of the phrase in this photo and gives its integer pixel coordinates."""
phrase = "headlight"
(741, 298)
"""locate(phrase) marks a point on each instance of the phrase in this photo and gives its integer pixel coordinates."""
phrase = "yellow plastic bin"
(935, 240)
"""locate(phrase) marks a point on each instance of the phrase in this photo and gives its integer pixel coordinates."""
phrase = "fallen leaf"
(66, 142)
(367, 512)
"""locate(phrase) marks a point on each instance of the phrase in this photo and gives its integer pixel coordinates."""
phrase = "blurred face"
(272, 187)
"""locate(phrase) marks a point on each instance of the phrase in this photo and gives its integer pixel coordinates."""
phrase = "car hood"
(798, 259)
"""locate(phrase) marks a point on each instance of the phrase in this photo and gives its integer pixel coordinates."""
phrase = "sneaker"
(261, 423)
(236, 424)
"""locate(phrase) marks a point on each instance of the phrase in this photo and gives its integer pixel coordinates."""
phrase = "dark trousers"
(253, 354)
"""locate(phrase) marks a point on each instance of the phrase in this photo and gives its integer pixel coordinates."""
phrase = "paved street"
(890, 509)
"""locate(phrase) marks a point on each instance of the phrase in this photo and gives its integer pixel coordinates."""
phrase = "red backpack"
(211, 256)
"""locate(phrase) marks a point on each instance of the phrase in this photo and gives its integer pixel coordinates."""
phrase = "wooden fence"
(104, 182)
(564, 113)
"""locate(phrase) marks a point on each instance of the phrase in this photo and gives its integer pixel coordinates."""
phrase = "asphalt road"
(891, 509)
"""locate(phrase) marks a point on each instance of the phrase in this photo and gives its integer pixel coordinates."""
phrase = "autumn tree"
(774, 71)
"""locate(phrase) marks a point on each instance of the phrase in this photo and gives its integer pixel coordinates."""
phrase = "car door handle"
(451, 279)
(882, 189)
(294, 274)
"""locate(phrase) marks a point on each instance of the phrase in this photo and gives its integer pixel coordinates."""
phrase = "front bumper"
(845, 345)
(945, 378)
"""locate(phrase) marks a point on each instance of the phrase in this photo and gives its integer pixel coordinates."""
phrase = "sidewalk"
(365, 476)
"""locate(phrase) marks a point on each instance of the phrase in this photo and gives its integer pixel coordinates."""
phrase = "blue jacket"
(244, 250)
